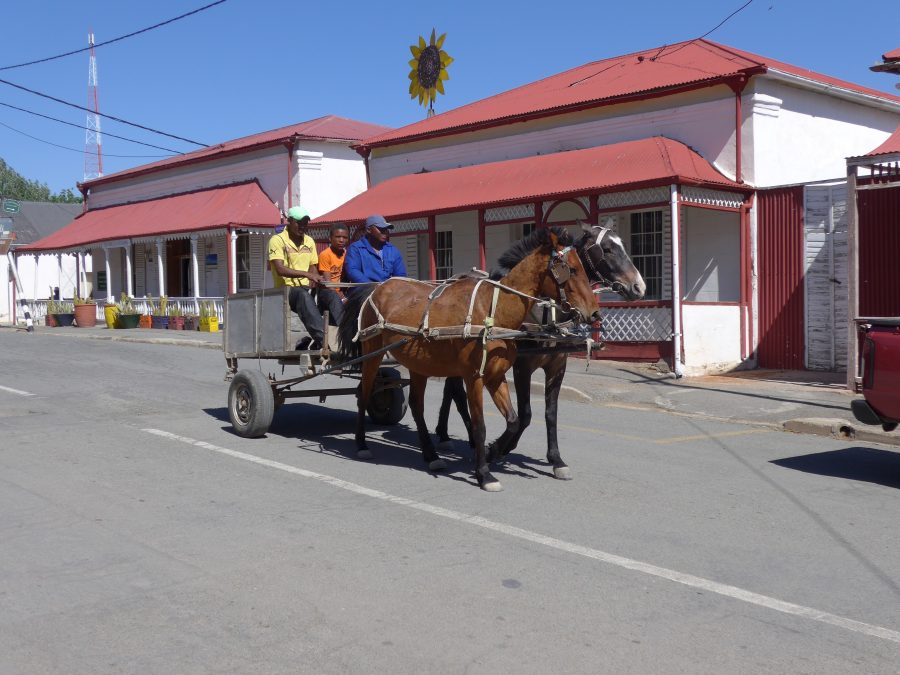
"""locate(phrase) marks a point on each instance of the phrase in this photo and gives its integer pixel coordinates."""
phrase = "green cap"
(297, 213)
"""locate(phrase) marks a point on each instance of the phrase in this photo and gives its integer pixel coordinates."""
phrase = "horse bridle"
(593, 272)
(561, 272)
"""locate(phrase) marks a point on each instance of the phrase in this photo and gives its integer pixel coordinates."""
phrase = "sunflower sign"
(428, 70)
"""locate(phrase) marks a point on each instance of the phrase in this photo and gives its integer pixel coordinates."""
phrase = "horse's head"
(567, 281)
(606, 262)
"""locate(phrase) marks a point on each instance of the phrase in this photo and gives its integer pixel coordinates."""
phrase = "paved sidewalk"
(798, 401)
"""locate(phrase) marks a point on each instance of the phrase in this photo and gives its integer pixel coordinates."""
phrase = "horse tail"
(349, 324)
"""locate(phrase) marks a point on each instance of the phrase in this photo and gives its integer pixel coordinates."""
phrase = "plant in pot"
(85, 311)
(191, 321)
(63, 313)
(176, 318)
(127, 315)
(158, 312)
(209, 319)
(49, 319)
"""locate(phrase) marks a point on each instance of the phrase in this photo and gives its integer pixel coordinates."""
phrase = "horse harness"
(559, 269)
(593, 272)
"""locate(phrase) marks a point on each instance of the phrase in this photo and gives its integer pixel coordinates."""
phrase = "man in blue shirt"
(373, 258)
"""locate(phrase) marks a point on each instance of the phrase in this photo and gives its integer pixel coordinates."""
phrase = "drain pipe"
(29, 324)
(676, 283)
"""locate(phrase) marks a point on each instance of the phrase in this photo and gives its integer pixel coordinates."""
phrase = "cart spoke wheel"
(251, 404)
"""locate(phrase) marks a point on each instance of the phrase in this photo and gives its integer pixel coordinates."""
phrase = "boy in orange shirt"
(331, 265)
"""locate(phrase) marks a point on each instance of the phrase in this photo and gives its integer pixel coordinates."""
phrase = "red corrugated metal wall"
(780, 242)
(879, 245)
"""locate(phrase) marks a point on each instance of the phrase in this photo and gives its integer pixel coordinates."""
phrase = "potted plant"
(176, 318)
(85, 311)
(110, 312)
(63, 313)
(191, 322)
(158, 315)
(209, 320)
(49, 320)
(127, 315)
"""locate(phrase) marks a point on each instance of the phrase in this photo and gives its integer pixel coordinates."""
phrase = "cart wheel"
(387, 406)
(251, 403)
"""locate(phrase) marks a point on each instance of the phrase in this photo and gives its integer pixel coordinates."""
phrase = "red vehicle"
(879, 369)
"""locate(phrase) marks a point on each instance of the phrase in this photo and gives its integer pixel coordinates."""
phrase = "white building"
(40, 275)
(195, 226)
(724, 172)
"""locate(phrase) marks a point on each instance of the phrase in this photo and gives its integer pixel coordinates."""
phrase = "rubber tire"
(389, 405)
(251, 404)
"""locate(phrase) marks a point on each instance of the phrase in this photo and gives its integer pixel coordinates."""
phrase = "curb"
(834, 427)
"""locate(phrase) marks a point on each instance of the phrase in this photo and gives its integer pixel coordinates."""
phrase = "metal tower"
(93, 157)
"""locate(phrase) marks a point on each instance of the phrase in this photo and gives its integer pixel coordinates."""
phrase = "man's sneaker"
(303, 343)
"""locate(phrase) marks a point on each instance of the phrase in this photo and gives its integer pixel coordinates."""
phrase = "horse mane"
(522, 248)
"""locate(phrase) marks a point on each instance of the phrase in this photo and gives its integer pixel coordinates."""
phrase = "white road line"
(576, 549)
(17, 391)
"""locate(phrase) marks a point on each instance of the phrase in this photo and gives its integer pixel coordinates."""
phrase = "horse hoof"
(562, 473)
(437, 465)
(493, 486)
(445, 446)
(364, 454)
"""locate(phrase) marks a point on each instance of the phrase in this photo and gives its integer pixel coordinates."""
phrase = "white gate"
(825, 265)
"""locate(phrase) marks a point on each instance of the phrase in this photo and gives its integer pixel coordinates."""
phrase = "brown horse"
(403, 308)
(606, 261)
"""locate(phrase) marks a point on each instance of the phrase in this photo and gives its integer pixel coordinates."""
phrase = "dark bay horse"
(414, 313)
(606, 261)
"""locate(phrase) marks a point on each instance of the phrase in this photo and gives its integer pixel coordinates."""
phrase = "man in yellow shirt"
(293, 263)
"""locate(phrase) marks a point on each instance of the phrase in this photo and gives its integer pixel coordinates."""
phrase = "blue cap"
(379, 222)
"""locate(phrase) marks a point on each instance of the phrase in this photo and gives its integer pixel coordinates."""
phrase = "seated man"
(373, 258)
(331, 266)
(292, 261)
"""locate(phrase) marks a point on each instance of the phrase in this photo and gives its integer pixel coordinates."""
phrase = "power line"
(118, 39)
(105, 133)
(64, 147)
(116, 119)
(711, 30)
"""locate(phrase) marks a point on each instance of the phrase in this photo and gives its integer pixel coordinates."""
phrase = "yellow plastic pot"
(110, 312)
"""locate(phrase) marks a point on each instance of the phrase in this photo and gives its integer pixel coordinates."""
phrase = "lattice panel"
(584, 201)
(636, 324)
(697, 195)
(320, 233)
(634, 197)
(411, 225)
(504, 213)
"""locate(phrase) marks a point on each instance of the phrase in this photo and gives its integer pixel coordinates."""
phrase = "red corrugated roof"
(649, 161)
(892, 55)
(329, 127)
(891, 145)
(644, 73)
(240, 205)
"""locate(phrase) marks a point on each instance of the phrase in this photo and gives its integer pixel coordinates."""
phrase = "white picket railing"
(186, 305)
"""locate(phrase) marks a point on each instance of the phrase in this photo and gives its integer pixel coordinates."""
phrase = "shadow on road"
(881, 467)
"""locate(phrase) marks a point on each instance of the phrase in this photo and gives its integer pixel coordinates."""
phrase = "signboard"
(101, 282)
(10, 206)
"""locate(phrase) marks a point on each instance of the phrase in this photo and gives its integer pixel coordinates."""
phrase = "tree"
(14, 185)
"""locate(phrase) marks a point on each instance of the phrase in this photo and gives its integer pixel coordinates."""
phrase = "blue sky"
(244, 67)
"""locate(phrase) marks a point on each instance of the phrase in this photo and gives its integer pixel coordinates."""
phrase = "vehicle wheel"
(251, 403)
(387, 406)
(889, 426)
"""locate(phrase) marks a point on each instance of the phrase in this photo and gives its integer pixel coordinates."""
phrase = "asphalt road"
(138, 534)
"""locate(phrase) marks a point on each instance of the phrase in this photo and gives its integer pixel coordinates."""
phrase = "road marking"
(17, 391)
(558, 544)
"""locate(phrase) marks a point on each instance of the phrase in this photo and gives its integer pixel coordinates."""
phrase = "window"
(647, 249)
(527, 228)
(243, 262)
(443, 254)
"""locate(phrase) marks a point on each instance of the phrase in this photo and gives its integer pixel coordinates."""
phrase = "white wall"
(269, 166)
(712, 338)
(326, 176)
(711, 255)
(801, 136)
(703, 120)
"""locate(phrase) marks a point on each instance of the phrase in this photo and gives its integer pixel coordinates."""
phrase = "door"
(825, 263)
